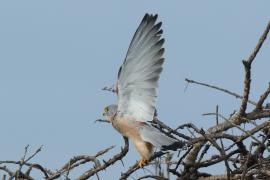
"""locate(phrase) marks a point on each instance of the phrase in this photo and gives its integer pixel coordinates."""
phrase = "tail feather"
(160, 140)
(174, 146)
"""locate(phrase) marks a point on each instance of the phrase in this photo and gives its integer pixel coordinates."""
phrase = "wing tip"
(150, 17)
(160, 43)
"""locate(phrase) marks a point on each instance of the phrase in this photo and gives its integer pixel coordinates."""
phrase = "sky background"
(56, 56)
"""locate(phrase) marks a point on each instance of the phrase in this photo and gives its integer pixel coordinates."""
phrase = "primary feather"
(138, 76)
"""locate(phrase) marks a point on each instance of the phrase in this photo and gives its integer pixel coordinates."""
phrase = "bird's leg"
(142, 163)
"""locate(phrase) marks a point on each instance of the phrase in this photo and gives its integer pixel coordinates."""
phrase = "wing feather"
(153, 136)
(139, 74)
(160, 140)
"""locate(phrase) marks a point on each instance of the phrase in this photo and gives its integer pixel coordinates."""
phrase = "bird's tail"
(174, 146)
(160, 140)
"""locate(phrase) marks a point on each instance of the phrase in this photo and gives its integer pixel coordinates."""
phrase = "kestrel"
(137, 91)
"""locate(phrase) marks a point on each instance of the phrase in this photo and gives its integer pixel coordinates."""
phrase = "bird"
(136, 89)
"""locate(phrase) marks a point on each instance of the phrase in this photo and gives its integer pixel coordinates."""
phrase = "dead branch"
(219, 89)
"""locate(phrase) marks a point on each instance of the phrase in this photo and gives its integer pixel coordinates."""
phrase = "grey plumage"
(138, 76)
(159, 140)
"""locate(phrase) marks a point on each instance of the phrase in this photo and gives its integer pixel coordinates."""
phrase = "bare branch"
(219, 89)
(110, 88)
(262, 98)
(247, 65)
(108, 163)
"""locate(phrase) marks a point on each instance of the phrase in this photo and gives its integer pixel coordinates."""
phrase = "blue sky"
(55, 56)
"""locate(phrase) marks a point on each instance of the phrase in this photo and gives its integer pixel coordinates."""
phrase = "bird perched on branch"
(137, 91)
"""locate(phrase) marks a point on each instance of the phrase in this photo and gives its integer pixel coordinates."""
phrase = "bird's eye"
(106, 109)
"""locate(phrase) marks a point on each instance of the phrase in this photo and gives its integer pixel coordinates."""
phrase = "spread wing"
(138, 76)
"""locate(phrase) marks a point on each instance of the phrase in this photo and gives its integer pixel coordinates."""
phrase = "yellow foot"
(142, 163)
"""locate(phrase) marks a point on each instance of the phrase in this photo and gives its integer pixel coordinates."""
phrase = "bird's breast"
(126, 126)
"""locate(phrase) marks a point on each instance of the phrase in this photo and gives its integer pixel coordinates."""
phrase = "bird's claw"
(142, 163)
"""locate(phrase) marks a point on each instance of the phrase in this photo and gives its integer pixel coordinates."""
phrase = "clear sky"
(56, 56)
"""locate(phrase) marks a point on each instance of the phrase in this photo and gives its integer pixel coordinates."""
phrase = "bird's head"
(110, 111)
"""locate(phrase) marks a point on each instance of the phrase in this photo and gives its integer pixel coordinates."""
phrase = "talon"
(142, 163)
